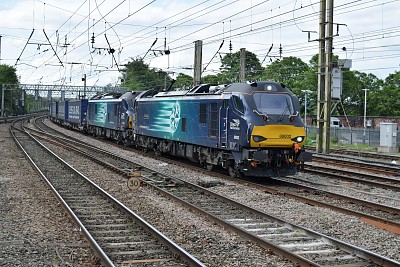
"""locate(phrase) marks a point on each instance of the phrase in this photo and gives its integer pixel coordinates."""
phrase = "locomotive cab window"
(203, 113)
(183, 127)
(238, 103)
(273, 103)
(124, 104)
(213, 122)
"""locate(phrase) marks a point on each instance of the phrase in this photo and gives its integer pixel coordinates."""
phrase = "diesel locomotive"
(251, 129)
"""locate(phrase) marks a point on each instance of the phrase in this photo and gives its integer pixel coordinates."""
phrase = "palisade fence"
(354, 136)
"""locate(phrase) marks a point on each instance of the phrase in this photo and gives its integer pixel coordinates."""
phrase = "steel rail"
(98, 251)
(375, 167)
(353, 176)
(263, 243)
(359, 153)
(174, 248)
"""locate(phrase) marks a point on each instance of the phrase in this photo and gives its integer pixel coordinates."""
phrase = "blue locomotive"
(110, 115)
(246, 128)
(251, 129)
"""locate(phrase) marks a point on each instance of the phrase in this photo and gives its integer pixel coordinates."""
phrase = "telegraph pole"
(2, 89)
(0, 48)
(328, 79)
(84, 86)
(242, 74)
(365, 110)
(325, 76)
(198, 48)
(2, 100)
(321, 75)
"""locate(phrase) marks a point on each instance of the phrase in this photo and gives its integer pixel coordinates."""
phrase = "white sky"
(370, 33)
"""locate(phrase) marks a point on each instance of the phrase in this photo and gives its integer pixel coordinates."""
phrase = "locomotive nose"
(277, 136)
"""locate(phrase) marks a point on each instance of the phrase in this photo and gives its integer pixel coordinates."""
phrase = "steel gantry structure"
(43, 94)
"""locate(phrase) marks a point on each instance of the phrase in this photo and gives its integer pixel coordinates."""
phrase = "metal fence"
(345, 135)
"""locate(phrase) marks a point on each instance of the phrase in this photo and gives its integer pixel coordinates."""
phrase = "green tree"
(12, 96)
(213, 79)
(8, 74)
(291, 71)
(353, 95)
(183, 81)
(230, 67)
(385, 100)
(138, 76)
(299, 77)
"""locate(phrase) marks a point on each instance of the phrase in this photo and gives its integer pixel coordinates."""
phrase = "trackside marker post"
(134, 182)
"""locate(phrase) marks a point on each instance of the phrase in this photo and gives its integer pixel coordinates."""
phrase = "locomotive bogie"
(274, 162)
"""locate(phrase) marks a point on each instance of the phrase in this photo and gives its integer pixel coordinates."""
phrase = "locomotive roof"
(112, 95)
(249, 87)
(209, 89)
(116, 95)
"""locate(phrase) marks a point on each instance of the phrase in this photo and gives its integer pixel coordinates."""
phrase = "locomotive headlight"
(258, 138)
(298, 139)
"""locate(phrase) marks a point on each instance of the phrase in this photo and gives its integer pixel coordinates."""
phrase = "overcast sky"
(368, 34)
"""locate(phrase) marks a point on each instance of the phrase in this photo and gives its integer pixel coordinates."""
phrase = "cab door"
(223, 123)
(236, 128)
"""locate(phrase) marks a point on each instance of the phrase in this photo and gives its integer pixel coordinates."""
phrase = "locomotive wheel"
(232, 170)
(209, 167)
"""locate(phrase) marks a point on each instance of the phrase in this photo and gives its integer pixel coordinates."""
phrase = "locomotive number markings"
(285, 136)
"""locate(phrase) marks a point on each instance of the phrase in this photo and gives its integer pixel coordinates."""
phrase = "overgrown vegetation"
(13, 94)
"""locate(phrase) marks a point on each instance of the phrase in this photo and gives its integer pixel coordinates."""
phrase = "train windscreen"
(273, 104)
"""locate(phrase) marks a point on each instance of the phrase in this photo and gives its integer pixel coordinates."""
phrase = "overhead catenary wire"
(241, 33)
(340, 6)
(109, 13)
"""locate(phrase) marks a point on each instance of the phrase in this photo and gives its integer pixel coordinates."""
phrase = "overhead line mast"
(321, 75)
(324, 76)
(328, 79)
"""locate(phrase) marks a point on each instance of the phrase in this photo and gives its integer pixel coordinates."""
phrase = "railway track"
(355, 176)
(386, 217)
(10, 119)
(357, 168)
(361, 154)
(301, 246)
(378, 167)
(380, 215)
(117, 235)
